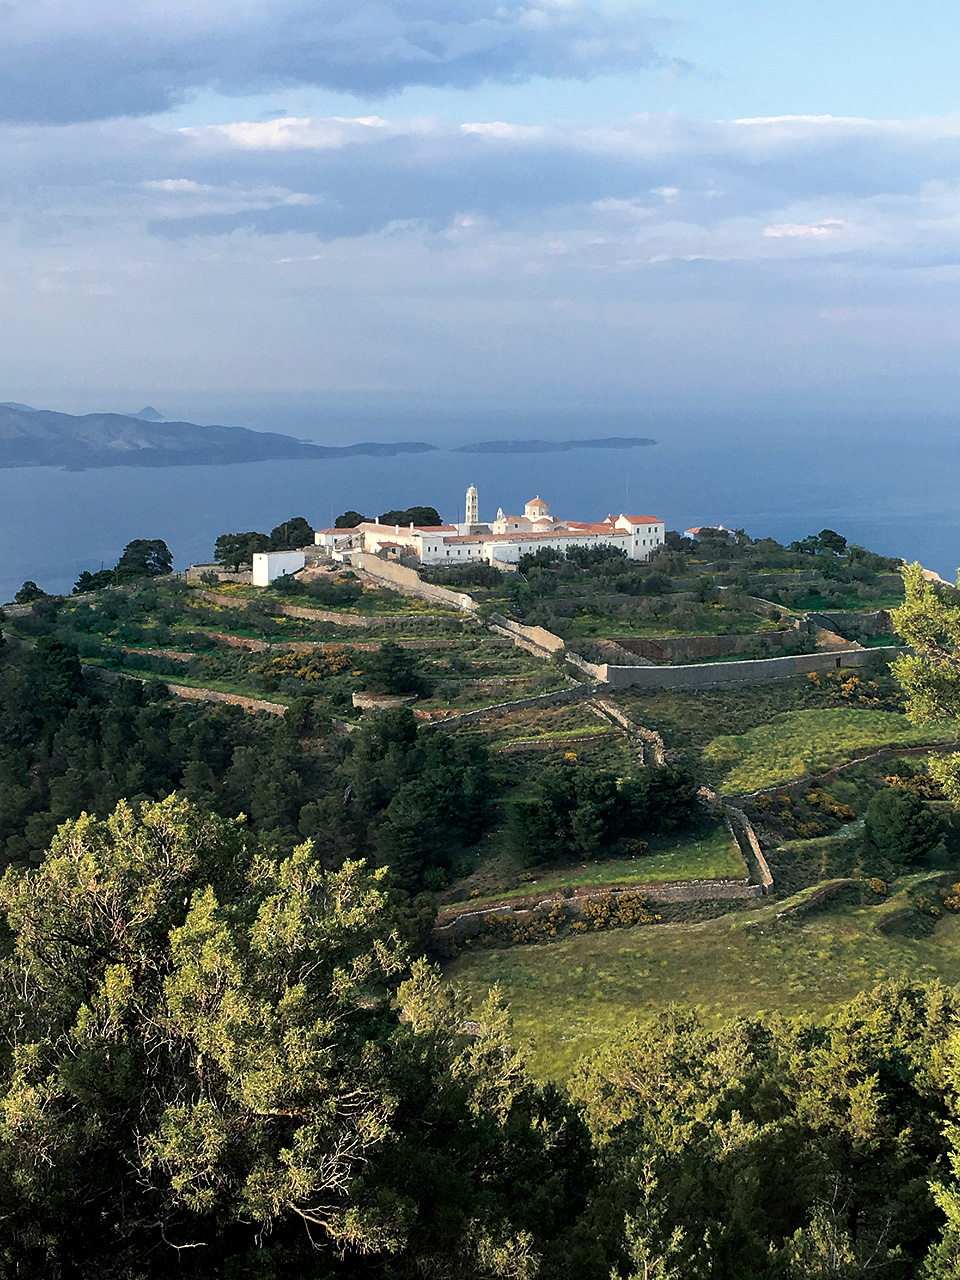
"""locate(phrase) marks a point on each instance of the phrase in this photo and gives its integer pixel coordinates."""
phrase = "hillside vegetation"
(290, 988)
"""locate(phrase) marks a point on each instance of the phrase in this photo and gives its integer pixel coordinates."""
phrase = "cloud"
(754, 189)
(805, 230)
(74, 60)
(399, 252)
(289, 132)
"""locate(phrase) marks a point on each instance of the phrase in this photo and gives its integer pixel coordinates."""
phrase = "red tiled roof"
(642, 519)
(521, 535)
(581, 526)
(370, 526)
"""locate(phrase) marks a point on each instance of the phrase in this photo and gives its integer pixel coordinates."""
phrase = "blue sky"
(538, 201)
(721, 59)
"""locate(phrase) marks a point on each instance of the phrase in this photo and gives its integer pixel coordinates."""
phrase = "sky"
(682, 204)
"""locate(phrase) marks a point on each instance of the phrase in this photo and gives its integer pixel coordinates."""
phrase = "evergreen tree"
(391, 669)
(144, 558)
(212, 1069)
(293, 533)
(235, 549)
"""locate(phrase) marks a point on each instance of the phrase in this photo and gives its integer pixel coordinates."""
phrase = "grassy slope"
(800, 742)
(567, 996)
(713, 857)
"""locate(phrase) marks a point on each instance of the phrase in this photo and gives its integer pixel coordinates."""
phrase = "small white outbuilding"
(268, 565)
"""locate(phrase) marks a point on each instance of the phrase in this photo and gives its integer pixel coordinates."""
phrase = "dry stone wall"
(469, 924)
(742, 831)
(398, 577)
(215, 695)
(535, 639)
(667, 649)
(649, 741)
(233, 699)
(336, 619)
(749, 671)
(574, 694)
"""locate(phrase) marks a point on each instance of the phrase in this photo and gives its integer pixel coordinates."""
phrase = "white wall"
(268, 565)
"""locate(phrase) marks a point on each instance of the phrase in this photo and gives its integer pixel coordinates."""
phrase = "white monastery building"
(504, 541)
(268, 565)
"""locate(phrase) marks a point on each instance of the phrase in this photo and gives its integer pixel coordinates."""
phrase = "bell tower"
(471, 513)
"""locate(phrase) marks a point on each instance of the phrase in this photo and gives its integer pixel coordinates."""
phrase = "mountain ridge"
(46, 438)
(43, 437)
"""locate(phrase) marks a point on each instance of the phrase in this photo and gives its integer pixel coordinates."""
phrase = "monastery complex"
(505, 540)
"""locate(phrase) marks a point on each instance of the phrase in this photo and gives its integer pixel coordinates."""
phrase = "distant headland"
(43, 438)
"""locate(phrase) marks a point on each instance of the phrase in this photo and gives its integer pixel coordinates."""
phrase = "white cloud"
(289, 132)
(398, 241)
(805, 230)
(510, 132)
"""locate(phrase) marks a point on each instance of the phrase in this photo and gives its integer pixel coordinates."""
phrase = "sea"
(891, 484)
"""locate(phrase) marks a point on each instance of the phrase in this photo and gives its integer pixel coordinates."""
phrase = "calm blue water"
(893, 489)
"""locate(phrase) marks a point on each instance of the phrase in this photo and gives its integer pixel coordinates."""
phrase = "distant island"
(43, 438)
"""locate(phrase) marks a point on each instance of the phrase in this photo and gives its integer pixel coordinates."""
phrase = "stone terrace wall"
(471, 923)
(535, 639)
(234, 699)
(336, 619)
(649, 740)
(690, 648)
(558, 697)
(409, 583)
(750, 671)
(737, 820)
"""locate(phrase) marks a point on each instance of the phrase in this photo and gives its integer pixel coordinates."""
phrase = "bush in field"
(320, 665)
(330, 592)
(465, 575)
(615, 911)
(899, 825)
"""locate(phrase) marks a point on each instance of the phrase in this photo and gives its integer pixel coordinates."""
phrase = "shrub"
(392, 669)
(617, 911)
(899, 825)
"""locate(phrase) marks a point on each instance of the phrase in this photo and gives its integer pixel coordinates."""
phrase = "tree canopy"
(929, 621)
(217, 1058)
(391, 669)
(412, 515)
(349, 520)
(142, 558)
(29, 592)
(235, 549)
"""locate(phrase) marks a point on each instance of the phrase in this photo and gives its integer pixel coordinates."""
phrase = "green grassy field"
(712, 621)
(692, 720)
(568, 996)
(800, 742)
(715, 856)
(814, 602)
